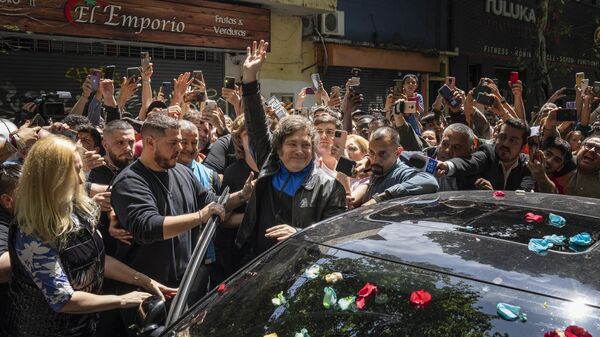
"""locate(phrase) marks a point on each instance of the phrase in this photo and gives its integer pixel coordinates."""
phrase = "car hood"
(473, 236)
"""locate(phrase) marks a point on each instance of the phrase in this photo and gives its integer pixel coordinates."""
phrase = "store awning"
(377, 58)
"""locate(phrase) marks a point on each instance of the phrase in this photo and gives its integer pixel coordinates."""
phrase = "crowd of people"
(99, 211)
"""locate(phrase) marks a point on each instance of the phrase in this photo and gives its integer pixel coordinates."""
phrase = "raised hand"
(254, 60)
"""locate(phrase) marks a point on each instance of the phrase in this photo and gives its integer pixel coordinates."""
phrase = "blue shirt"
(205, 177)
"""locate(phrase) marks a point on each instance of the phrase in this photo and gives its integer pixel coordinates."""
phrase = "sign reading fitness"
(178, 22)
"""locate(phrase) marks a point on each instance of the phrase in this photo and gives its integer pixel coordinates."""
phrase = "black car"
(442, 264)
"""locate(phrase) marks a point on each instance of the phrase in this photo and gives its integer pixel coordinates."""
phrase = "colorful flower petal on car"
(498, 195)
(557, 220)
(221, 288)
(312, 272)
(575, 331)
(539, 246)
(334, 277)
(367, 290)
(279, 299)
(302, 333)
(507, 311)
(581, 239)
(531, 217)
(420, 298)
(557, 240)
(346, 303)
(330, 298)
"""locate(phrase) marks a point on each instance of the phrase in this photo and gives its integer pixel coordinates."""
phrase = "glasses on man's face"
(328, 132)
(592, 147)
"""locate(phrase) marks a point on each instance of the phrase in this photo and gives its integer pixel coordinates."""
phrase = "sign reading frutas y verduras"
(179, 22)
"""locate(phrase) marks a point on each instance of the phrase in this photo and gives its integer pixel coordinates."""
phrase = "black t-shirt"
(275, 210)
(141, 199)
(222, 154)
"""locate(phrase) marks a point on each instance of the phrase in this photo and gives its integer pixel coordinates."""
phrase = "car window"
(458, 307)
(496, 220)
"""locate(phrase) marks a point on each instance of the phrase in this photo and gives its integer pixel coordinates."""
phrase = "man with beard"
(391, 177)
(499, 166)
(159, 202)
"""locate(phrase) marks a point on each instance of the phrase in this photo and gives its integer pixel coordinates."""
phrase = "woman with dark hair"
(410, 83)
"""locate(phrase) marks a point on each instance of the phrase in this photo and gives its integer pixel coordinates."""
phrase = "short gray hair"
(187, 125)
(290, 124)
(464, 130)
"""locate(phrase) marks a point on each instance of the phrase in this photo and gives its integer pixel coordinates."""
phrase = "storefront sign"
(510, 9)
(177, 22)
(526, 53)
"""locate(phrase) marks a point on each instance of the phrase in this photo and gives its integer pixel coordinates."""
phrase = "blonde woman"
(57, 256)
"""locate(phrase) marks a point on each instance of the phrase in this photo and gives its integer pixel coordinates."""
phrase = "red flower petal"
(221, 289)
(360, 302)
(367, 290)
(420, 297)
(530, 217)
(498, 194)
(575, 331)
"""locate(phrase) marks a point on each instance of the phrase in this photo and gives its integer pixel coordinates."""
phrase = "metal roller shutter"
(24, 72)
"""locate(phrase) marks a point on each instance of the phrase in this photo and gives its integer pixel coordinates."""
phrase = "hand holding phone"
(95, 76)
(134, 73)
(447, 94)
(566, 115)
(166, 89)
(145, 60)
(316, 82)
(229, 82)
(514, 77)
(109, 73)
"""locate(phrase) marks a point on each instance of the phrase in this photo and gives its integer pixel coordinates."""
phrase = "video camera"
(50, 105)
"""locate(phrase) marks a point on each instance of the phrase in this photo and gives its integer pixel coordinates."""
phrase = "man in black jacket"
(500, 166)
(291, 192)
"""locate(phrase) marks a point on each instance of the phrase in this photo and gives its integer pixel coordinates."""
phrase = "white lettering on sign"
(510, 10)
(17, 2)
(83, 14)
(229, 31)
(526, 53)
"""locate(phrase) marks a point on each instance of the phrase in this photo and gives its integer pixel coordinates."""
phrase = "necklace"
(160, 181)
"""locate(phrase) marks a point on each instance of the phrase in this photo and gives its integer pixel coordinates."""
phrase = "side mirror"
(151, 316)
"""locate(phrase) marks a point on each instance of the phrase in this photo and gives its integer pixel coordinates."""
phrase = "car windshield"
(276, 295)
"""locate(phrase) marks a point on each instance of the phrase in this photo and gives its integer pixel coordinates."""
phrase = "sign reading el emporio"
(179, 22)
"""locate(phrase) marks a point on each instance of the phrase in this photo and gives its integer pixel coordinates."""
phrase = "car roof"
(472, 235)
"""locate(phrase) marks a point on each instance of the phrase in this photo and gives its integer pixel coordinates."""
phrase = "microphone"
(423, 163)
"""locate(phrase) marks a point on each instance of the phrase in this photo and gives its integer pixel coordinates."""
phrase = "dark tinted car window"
(459, 307)
(492, 219)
